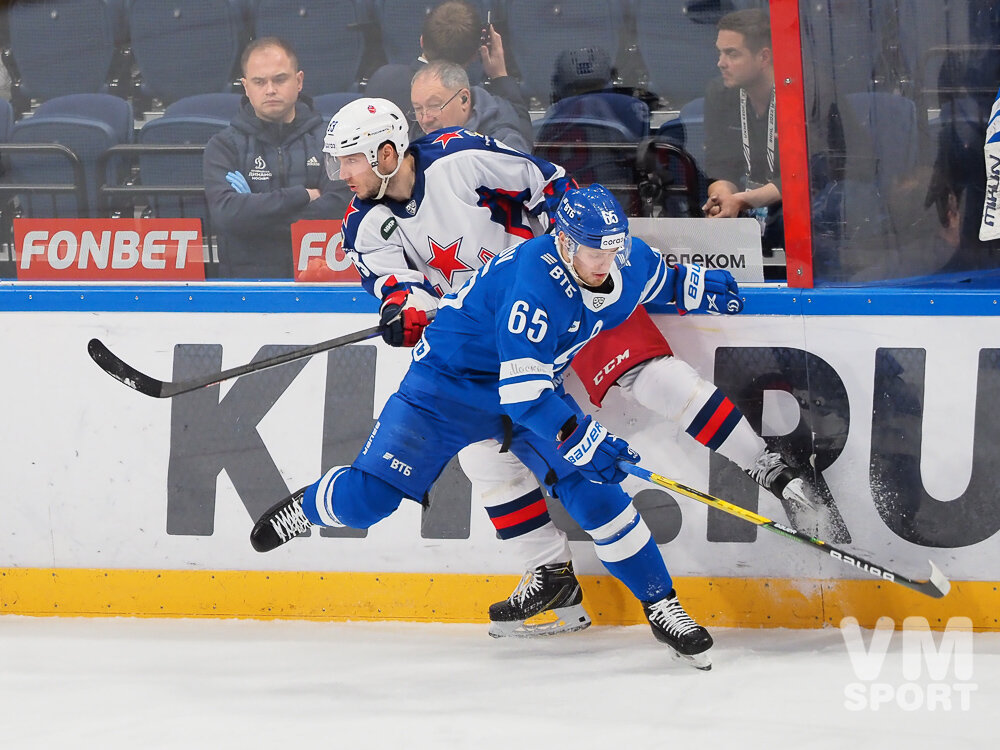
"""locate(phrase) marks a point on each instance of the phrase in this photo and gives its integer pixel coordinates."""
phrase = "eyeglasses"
(433, 110)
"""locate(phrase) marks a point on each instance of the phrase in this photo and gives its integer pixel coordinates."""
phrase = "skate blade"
(698, 661)
(550, 622)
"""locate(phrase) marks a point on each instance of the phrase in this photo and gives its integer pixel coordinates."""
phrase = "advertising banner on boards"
(897, 414)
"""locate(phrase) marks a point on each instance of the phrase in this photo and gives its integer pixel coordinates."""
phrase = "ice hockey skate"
(772, 473)
(671, 625)
(547, 601)
(282, 522)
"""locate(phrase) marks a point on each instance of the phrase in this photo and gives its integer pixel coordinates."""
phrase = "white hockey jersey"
(472, 198)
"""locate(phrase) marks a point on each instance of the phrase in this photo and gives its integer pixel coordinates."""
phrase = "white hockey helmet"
(361, 127)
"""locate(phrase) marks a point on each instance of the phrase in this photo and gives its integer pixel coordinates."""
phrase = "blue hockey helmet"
(593, 217)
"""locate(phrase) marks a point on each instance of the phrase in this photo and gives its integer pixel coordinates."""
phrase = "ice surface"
(160, 683)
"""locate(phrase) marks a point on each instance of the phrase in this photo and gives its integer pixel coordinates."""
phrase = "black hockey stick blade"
(936, 586)
(139, 381)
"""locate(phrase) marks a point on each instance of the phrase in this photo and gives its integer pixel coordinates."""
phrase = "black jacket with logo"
(279, 161)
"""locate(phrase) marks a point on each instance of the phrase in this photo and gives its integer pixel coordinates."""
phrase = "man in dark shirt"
(741, 139)
(265, 171)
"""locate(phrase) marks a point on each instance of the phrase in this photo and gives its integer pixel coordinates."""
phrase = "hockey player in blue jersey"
(425, 217)
(491, 366)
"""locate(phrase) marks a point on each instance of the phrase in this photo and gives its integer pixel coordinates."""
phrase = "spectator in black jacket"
(442, 98)
(265, 171)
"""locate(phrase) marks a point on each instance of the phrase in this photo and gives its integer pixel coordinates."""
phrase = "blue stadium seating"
(539, 30)
(88, 125)
(327, 36)
(191, 121)
(186, 47)
(587, 135)
(62, 47)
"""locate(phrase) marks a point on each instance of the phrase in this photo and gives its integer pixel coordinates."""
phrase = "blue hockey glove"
(595, 452)
(238, 182)
(709, 291)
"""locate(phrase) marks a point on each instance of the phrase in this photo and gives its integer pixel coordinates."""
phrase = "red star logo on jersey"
(351, 209)
(444, 138)
(445, 259)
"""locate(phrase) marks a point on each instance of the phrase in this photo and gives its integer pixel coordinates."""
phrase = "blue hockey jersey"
(504, 339)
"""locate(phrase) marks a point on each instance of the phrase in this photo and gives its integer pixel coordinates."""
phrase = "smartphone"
(485, 37)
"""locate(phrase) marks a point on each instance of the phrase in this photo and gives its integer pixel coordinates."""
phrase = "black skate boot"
(787, 484)
(673, 626)
(547, 601)
(280, 523)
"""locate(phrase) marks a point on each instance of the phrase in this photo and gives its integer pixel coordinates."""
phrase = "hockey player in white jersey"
(496, 356)
(418, 227)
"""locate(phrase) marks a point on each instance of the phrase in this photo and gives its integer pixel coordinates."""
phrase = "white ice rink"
(133, 683)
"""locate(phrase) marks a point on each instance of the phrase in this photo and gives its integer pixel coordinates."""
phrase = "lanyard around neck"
(744, 127)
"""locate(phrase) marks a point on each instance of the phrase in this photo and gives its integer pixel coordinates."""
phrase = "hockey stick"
(936, 586)
(120, 370)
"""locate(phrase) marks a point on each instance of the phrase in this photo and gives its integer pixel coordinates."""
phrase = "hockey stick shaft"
(139, 381)
(936, 586)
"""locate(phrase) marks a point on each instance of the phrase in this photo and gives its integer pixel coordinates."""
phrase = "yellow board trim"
(421, 597)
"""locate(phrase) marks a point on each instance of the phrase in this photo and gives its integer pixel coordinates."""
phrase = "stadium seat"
(86, 124)
(327, 35)
(62, 47)
(191, 121)
(586, 135)
(677, 46)
(400, 22)
(6, 119)
(329, 104)
(890, 121)
(687, 130)
(186, 47)
(631, 113)
(539, 30)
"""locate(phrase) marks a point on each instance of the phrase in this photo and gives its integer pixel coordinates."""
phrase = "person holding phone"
(453, 31)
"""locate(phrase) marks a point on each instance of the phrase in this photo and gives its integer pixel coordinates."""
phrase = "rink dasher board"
(95, 458)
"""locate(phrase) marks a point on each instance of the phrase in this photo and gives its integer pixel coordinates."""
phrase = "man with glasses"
(442, 98)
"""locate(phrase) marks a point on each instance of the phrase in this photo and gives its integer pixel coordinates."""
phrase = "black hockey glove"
(403, 316)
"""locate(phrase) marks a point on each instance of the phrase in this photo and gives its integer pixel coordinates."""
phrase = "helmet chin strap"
(385, 177)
